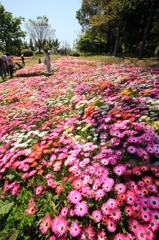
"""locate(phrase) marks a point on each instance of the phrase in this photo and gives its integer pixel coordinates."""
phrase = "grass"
(126, 59)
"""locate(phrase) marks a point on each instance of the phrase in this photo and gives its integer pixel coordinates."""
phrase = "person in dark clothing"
(22, 58)
(2, 69)
(10, 63)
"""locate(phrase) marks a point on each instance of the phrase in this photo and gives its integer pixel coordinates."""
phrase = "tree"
(154, 6)
(39, 31)
(31, 45)
(10, 31)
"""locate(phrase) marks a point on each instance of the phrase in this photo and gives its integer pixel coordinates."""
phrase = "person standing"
(2, 69)
(22, 58)
(10, 64)
(47, 60)
(4, 57)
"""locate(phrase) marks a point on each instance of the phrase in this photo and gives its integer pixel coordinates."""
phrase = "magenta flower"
(111, 225)
(39, 190)
(81, 209)
(120, 188)
(115, 214)
(74, 196)
(75, 229)
(59, 226)
(119, 170)
(119, 236)
(155, 216)
(112, 203)
(64, 211)
(153, 202)
(96, 215)
(50, 182)
(131, 149)
(87, 233)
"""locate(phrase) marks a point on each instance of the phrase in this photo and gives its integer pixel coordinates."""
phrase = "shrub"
(27, 52)
(37, 52)
(157, 52)
(74, 54)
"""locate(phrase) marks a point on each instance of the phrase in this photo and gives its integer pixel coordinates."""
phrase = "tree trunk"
(117, 39)
(148, 29)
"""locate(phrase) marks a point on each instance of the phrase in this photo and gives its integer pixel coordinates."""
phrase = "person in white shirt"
(47, 61)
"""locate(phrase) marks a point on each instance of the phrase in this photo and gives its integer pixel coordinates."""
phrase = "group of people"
(6, 66)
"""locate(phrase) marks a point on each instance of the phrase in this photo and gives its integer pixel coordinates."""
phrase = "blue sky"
(61, 15)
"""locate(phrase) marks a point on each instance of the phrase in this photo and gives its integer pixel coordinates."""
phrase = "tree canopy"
(123, 23)
(10, 31)
(40, 31)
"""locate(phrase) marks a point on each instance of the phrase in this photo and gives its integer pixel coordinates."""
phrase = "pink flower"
(119, 236)
(96, 215)
(75, 229)
(115, 214)
(50, 182)
(101, 235)
(155, 216)
(112, 203)
(51, 238)
(119, 169)
(140, 233)
(133, 224)
(87, 233)
(120, 188)
(77, 184)
(39, 190)
(81, 209)
(45, 224)
(99, 194)
(64, 211)
(31, 210)
(111, 225)
(146, 216)
(74, 196)
(153, 202)
(131, 149)
(105, 209)
(59, 226)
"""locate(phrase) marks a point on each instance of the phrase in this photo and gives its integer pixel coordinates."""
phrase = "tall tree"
(31, 45)
(39, 30)
(153, 8)
(10, 30)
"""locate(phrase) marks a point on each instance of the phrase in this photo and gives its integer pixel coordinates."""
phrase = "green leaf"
(12, 235)
(5, 208)
(13, 175)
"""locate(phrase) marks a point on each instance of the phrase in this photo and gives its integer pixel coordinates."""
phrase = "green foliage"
(120, 24)
(39, 52)
(27, 52)
(157, 52)
(10, 31)
(74, 54)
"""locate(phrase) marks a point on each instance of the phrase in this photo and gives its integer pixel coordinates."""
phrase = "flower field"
(79, 152)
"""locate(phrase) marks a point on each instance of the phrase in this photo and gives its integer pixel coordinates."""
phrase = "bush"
(157, 52)
(74, 54)
(27, 52)
(37, 52)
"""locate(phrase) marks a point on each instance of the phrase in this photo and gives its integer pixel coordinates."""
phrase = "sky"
(61, 15)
